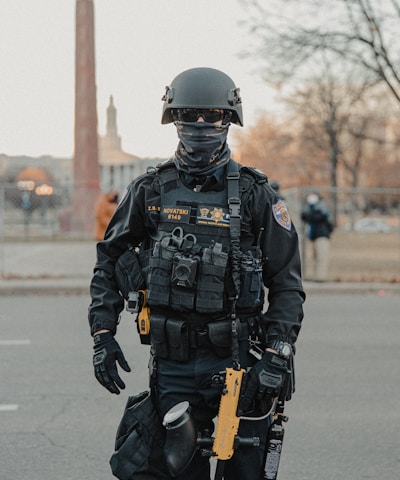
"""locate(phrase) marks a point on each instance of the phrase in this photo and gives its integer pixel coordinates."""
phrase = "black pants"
(191, 381)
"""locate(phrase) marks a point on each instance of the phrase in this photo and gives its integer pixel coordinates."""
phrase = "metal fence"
(28, 210)
(365, 243)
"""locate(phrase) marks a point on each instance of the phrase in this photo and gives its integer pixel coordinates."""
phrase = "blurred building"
(117, 167)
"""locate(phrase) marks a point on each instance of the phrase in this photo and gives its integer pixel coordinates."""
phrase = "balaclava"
(202, 147)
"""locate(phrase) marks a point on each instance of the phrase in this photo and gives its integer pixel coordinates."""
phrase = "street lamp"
(43, 191)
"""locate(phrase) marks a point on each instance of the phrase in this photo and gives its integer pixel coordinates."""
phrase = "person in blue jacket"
(317, 215)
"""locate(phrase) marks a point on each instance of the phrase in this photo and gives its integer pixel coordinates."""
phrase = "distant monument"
(86, 163)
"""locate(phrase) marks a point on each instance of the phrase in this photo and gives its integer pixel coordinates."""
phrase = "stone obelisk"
(86, 163)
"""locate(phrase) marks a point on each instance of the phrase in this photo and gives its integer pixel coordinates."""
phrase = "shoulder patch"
(281, 215)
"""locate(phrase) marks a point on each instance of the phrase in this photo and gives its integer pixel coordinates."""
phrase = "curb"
(338, 288)
(48, 286)
(80, 286)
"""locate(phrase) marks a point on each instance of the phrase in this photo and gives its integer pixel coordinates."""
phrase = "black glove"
(263, 382)
(106, 354)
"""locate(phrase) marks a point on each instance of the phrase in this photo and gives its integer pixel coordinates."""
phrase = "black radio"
(184, 271)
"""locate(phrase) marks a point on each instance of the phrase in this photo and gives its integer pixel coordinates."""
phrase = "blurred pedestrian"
(317, 215)
(275, 185)
(104, 209)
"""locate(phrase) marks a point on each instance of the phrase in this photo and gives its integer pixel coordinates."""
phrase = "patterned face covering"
(202, 147)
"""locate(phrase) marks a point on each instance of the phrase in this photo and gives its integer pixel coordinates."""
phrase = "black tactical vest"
(190, 265)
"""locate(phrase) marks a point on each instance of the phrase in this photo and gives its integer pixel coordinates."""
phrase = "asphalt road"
(58, 423)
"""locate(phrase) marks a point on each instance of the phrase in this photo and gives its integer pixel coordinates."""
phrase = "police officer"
(212, 235)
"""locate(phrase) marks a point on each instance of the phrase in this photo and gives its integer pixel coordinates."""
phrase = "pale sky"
(141, 45)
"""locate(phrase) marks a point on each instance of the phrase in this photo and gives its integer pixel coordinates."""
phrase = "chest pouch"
(185, 276)
(211, 284)
(251, 282)
(160, 268)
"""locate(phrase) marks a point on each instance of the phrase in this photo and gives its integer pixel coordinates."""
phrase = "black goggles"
(211, 115)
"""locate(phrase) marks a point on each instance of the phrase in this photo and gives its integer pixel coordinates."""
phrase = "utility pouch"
(220, 335)
(128, 273)
(158, 334)
(139, 442)
(251, 281)
(160, 268)
(178, 340)
(211, 284)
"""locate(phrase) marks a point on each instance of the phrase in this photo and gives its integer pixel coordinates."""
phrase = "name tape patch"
(175, 214)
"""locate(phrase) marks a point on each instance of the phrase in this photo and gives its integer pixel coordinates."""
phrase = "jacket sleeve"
(125, 227)
(281, 264)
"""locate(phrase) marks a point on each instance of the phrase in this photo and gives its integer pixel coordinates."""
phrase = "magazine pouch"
(178, 340)
(158, 334)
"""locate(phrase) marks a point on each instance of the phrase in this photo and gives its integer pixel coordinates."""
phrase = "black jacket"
(263, 215)
(317, 216)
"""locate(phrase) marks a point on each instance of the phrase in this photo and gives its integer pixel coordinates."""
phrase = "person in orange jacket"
(104, 209)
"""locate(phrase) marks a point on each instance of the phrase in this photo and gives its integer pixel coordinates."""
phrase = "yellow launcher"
(228, 421)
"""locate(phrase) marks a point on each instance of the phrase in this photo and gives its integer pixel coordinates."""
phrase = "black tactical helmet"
(205, 88)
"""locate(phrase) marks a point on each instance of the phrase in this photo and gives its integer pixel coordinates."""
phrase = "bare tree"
(313, 44)
(269, 145)
(326, 110)
(292, 36)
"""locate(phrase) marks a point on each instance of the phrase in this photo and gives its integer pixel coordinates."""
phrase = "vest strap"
(233, 179)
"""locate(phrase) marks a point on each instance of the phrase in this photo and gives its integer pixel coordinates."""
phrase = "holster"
(128, 273)
(139, 442)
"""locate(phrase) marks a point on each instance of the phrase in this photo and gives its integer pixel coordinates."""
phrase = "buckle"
(199, 339)
(233, 175)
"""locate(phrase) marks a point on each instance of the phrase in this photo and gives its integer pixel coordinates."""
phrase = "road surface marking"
(8, 407)
(15, 342)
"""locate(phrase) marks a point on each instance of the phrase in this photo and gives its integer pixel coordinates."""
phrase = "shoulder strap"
(233, 179)
(257, 175)
(167, 169)
(165, 173)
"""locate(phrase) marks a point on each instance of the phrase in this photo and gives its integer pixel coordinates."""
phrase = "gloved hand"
(106, 354)
(263, 382)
